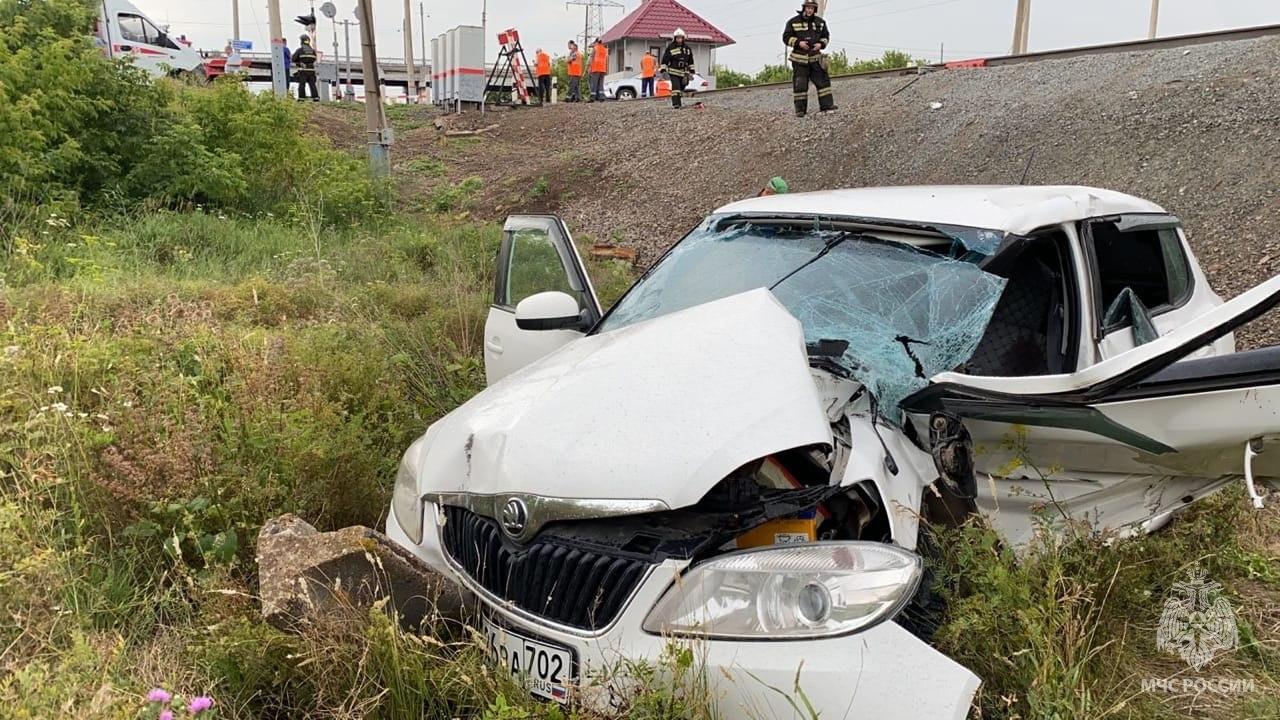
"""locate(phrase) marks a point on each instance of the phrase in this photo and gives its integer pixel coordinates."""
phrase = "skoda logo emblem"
(514, 517)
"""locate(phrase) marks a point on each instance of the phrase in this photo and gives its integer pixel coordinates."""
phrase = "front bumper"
(883, 672)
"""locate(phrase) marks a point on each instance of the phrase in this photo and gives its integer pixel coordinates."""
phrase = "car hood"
(660, 410)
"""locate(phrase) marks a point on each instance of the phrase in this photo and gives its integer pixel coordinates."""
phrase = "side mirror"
(552, 310)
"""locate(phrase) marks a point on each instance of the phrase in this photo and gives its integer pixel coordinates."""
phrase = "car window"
(905, 314)
(1149, 262)
(535, 267)
(132, 29)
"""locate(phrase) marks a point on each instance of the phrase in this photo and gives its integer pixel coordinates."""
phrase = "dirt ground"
(1196, 130)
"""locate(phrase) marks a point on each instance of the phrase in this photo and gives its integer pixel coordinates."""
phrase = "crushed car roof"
(1017, 209)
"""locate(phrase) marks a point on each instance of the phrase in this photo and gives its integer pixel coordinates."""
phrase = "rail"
(1174, 41)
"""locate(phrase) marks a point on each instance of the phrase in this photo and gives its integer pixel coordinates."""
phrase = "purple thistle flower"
(200, 704)
(157, 695)
(166, 715)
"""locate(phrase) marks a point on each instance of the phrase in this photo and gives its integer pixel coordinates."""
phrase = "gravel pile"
(1196, 130)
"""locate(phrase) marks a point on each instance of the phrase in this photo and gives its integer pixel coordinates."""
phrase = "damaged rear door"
(1136, 414)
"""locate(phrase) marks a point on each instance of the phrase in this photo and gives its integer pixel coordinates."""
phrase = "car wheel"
(626, 93)
(928, 607)
(198, 76)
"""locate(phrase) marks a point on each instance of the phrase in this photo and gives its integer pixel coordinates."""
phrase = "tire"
(928, 607)
(626, 93)
(197, 76)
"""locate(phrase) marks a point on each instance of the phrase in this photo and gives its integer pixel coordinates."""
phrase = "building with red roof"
(650, 27)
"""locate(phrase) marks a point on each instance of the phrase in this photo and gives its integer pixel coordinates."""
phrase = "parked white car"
(740, 450)
(123, 30)
(627, 86)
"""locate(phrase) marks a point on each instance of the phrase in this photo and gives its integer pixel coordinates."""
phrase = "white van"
(125, 31)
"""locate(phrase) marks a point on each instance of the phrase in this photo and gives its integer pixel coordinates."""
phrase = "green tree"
(726, 78)
(71, 121)
(78, 129)
(839, 64)
(773, 73)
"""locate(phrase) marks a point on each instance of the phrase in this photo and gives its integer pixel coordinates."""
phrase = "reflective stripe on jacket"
(811, 30)
(305, 58)
(678, 60)
(599, 58)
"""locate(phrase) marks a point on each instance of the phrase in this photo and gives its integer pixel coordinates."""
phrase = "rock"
(304, 575)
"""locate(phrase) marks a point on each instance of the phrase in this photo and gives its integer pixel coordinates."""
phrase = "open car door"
(1133, 437)
(542, 297)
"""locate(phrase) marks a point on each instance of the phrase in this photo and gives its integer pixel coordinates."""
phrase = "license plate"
(546, 669)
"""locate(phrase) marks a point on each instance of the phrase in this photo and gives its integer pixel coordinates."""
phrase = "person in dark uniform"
(677, 63)
(806, 35)
(304, 59)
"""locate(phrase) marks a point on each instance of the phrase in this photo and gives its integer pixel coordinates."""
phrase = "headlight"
(806, 591)
(406, 503)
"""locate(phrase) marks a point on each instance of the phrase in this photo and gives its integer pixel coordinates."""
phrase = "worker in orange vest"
(575, 73)
(648, 70)
(542, 68)
(599, 66)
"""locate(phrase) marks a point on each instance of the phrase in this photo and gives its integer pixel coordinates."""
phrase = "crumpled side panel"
(907, 314)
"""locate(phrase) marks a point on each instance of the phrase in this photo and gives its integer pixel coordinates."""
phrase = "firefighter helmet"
(807, 3)
(680, 33)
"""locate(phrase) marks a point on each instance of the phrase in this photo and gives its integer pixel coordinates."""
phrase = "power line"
(904, 10)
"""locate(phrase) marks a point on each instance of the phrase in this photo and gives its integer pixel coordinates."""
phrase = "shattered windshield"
(906, 314)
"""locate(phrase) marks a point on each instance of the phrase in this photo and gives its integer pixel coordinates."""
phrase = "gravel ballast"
(1196, 130)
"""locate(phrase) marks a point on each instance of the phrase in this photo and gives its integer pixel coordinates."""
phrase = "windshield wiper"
(830, 245)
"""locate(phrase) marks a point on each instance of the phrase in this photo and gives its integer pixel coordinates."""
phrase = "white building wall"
(624, 54)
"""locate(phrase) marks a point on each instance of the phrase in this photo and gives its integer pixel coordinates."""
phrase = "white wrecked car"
(740, 450)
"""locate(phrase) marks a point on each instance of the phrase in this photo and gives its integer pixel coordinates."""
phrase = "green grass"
(171, 381)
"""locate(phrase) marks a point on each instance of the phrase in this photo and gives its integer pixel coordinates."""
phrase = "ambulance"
(124, 31)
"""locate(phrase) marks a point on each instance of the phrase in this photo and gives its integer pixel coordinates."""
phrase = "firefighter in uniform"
(806, 37)
(677, 63)
(304, 58)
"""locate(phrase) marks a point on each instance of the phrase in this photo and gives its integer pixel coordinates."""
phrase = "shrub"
(71, 121)
(76, 127)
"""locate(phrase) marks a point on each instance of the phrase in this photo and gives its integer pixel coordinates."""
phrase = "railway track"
(1175, 41)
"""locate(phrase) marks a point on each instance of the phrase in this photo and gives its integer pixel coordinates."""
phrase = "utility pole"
(1155, 19)
(422, 33)
(235, 19)
(1021, 27)
(593, 25)
(349, 94)
(279, 79)
(379, 138)
(411, 85)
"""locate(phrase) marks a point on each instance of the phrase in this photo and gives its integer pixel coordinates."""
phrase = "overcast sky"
(865, 28)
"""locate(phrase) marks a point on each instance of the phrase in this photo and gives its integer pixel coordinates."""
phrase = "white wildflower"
(54, 390)
(59, 407)
(128, 403)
